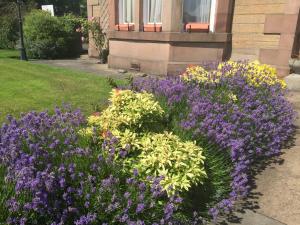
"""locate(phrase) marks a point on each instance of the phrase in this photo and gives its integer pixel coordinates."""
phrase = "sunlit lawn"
(25, 86)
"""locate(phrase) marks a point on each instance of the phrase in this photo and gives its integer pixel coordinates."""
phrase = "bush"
(180, 163)
(239, 106)
(136, 120)
(48, 37)
(8, 32)
(51, 177)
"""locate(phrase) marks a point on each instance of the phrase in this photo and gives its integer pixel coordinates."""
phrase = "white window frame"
(212, 17)
(121, 11)
(146, 12)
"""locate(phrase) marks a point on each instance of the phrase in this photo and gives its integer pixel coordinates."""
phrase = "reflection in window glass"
(152, 11)
(126, 11)
(196, 11)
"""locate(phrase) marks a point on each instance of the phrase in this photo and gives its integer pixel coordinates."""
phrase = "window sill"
(197, 27)
(152, 28)
(124, 27)
(170, 37)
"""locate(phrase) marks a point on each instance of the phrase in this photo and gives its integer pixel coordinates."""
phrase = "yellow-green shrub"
(153, 154)
(256, 74)
(180, 163)
(127, 109)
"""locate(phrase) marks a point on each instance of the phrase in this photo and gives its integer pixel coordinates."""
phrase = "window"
(199, 11)
(126, 11)
(152, 11)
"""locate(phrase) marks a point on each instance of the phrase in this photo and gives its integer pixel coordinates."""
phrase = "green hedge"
(49, 37)
(8, 32)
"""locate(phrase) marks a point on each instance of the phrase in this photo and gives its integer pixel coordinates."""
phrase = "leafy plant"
(180, 163)
(48, 37)
(128, 110)
(98, 37)
(255, 74)
(8, 32)
(136, 120)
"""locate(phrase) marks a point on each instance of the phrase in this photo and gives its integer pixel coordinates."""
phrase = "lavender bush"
(49, 176)
(246, 121)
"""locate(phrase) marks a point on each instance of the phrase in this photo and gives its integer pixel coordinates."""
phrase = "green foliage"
(6, 192)
(9, 24)
(100, 40)
(51, 37)
(112, 82)
(216, 186)
(8, 31)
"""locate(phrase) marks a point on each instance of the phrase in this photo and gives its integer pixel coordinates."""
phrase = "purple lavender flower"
(140, 207)
(58, 181)
(257, 124)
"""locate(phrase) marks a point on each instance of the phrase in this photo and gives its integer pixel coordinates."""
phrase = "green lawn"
(25, 86)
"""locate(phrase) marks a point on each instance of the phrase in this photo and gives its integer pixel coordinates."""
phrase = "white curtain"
(196, 11)
(126, 11)
(152, 11)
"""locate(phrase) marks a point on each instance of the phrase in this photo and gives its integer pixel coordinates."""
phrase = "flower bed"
(239, 106)
(162, 150)
(53, 179)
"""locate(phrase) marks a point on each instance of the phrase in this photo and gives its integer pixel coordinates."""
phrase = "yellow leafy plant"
(256, 74)
(153, 154)
(180, 163)
(128, 110)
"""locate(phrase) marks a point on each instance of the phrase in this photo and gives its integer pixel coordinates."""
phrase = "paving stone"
(277, 193)
(279, 186)
(253, 218)
(86, 64)
(293, 82)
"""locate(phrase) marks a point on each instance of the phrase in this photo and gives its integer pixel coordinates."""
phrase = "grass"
(25, 86)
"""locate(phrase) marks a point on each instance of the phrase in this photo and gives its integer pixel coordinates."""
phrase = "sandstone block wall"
(266, 30)
(98, 9)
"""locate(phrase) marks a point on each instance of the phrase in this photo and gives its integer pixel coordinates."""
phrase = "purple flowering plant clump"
(49, 175)
(246, 122)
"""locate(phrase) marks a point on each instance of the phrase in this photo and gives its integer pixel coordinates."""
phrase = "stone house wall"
(98, 9)
(266, 30)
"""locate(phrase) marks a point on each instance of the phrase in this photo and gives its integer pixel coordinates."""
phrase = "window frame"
(212, 16)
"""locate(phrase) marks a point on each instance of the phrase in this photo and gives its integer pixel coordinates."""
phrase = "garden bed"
(177, 150)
